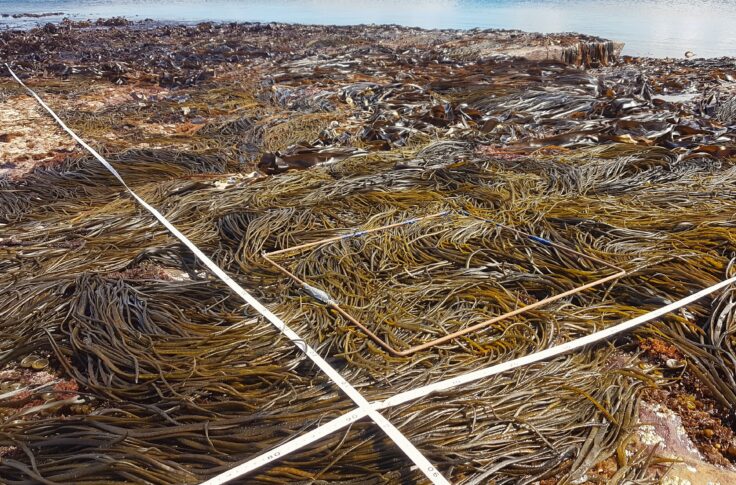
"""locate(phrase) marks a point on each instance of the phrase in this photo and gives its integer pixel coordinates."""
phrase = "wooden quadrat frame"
(326, 299)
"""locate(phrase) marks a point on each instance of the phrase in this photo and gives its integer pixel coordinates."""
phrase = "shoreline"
(554, 39)
(604, 20)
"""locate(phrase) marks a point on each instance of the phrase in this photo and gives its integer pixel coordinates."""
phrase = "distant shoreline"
(39, 20)
(649, 28)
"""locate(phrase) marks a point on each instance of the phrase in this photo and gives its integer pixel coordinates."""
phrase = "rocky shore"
(132, 364)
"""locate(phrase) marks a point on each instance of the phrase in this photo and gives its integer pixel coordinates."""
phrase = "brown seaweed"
(149, 370)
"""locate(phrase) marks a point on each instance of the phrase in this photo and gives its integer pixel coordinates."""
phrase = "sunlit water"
(660, 28)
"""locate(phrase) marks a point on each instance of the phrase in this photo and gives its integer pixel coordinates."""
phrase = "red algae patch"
(29, 138)
(103, 95)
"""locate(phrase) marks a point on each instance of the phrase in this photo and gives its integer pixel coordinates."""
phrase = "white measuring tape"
(401, 441)
(404, 397)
